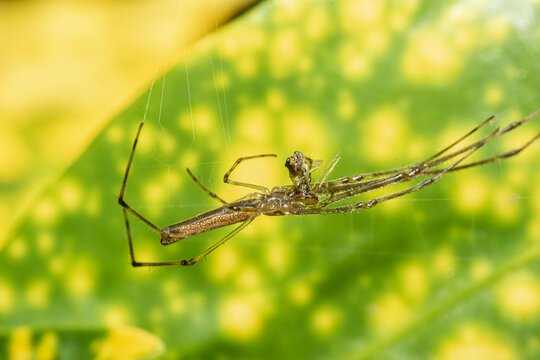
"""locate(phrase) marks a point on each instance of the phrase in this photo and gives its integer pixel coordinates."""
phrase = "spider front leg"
(491, 159)
(251, 186)
(378, 200)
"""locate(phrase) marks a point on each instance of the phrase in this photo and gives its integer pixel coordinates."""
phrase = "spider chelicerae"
(305, 197)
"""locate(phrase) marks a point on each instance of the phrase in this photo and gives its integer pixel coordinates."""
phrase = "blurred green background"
(450, 272)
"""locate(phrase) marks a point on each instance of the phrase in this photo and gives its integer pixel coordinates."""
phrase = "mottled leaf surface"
(450, 272)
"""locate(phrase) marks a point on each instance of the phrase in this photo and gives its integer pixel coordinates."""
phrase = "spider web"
(356, 229)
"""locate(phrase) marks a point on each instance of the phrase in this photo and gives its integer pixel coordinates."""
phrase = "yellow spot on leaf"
(171, 288)
(326, 319)
(18, 248)
(505, 205)
(384, 131)
(249, 278)
(430, 59)
(377, 40)
(471, 193)
(38, 293)
(355, 66)
(177, 306)
(239, 43)
(444, 262)
(224, 263)
(70, 194)
(301, 126)
(114, 134)
(146, 142)
(116, 315)
(496, 29)
(414, 280)
(278, 257)
(519, 296)
(128, 343)
(154, 197)
(305, 64)
(46, 211)
(474, 342)
(275, 99)
(80, 279)
(92, 202)
(47, 347)
(287, 11)
(189, 159)
(316, 25)
(241, 317)
(57, 265)
(346, 106)
(361, 13)
(401, 14)
(45, 242)
(204, 120)
(493, 95)
(534, 226)
(20, 344)
(157, 191)
(7, 297)
(300, 293)
(388, 313)
(284, 53)
(463, 38)
(223, 80)
(356, 62)
(247, 66)
(533, 230)
(480, 269)
(255, 124)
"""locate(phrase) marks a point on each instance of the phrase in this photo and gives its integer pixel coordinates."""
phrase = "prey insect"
(304, 197)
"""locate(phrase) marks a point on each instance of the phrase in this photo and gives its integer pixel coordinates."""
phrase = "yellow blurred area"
(519, 296)
(472, 341)
(242, 317)
(67, 67)
(128, 343)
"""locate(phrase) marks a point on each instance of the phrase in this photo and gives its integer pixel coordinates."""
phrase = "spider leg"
(252, 186)
(326, 171)
(345, 190)
(364, 176)
(435, 159)
(191, 261)
(460, 139)
(313, 164)
(205, 189)
(491, 159)
(123, 188)
(378, 200)
(496, 134)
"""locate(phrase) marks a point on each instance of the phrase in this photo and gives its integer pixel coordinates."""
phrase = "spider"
(305, 197)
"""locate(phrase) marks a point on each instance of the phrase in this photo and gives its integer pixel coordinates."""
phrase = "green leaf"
(447, 272)
(71, 343)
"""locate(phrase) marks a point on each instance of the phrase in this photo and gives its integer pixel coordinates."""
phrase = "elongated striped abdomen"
(207, 221)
